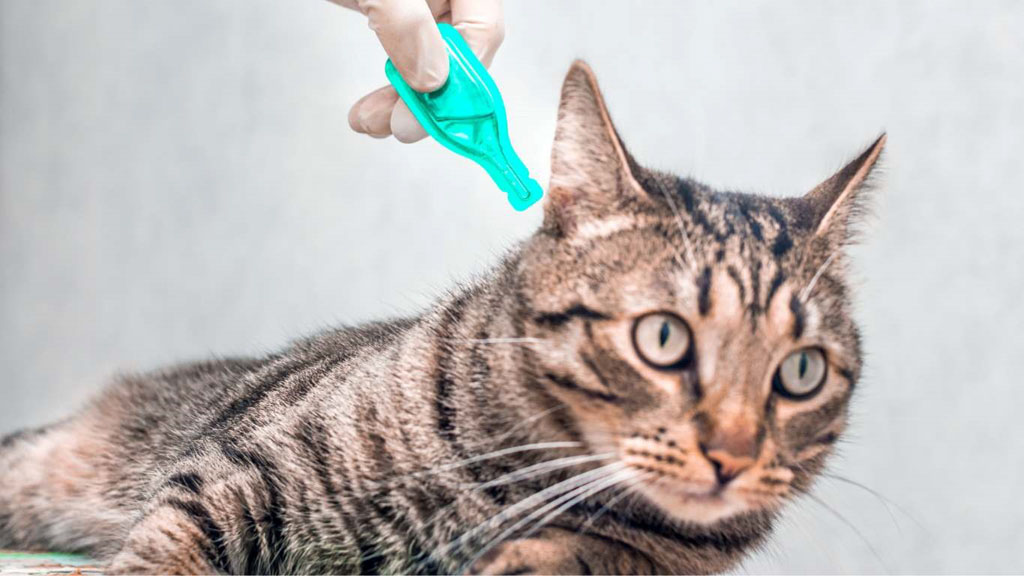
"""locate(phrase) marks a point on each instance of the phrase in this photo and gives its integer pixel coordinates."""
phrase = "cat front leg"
(207, 518)
(173, 538)
(556, 551)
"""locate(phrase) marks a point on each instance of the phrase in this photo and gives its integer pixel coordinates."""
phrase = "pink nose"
(730, 445)
(726, 464)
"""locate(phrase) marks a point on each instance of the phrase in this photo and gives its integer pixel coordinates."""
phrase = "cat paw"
(531, 556)
(153, 562)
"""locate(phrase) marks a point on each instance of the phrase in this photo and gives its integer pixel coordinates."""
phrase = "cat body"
(628, 391)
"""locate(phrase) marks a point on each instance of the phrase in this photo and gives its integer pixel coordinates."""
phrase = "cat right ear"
(836, 204)
(591, 172)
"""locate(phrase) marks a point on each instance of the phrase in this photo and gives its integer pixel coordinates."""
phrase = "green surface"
(46, 563)
(44, 556)
(467, 116)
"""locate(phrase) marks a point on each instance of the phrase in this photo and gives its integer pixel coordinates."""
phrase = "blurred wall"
(177, 179)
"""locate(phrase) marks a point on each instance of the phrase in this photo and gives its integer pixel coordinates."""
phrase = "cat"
(638, 387)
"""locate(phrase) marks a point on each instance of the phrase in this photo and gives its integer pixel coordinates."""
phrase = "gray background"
(177, 179)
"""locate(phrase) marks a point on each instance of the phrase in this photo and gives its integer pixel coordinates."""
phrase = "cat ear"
(835, 204)
(591, 172)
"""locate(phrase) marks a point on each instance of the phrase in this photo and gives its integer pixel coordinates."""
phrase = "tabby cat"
(636, 388)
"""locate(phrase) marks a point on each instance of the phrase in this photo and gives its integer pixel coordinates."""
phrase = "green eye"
(801, 374)
(662, 339)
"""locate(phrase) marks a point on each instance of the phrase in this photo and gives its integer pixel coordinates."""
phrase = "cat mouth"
(704, 494)
(694, 491)
(702, 502)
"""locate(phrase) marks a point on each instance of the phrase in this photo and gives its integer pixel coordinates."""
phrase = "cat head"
(702, 337)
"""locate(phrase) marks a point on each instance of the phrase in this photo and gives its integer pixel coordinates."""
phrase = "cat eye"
(662, 340)
(801, 374)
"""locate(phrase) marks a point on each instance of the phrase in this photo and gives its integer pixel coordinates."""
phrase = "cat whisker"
(444, 512)
(499, 340)
(853, 527)
(888, 503)
(623, 494)
(528, 472)
(542, 468)
(560, 504)
(482, 457)
(532, 471)
(817, 275)
(590, 490)
(813, 537)
(682, 231)
(529, 502)
(521, 425)
(513, 450)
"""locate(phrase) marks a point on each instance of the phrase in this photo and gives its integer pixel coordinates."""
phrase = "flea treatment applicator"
(467, 116)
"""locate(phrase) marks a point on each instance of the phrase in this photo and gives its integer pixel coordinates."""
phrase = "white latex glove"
(408, 31)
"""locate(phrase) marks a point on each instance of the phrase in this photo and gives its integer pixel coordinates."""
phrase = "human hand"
(407, 30)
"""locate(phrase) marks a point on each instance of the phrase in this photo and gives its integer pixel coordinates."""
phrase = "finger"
(407, 30)
(438, 9)
(404, 125)
(482, 25)
(371, 114)
(350, 4)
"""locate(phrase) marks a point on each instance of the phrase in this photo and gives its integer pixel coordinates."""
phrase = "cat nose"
(727, 465)
(730, 444)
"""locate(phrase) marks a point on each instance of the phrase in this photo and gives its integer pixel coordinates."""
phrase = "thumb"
(481, 24)
(409, 35)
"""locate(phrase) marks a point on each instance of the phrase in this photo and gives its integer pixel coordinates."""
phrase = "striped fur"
(512, 427)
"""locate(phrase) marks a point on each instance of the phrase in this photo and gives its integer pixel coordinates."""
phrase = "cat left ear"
(592, 175)
(835, 204)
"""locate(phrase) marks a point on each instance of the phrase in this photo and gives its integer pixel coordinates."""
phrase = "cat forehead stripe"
(605, 227)
(612, 225)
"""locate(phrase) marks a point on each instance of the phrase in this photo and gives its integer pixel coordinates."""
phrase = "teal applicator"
(467, 116)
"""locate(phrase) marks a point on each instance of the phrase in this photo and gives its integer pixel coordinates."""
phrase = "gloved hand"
(408, 31)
